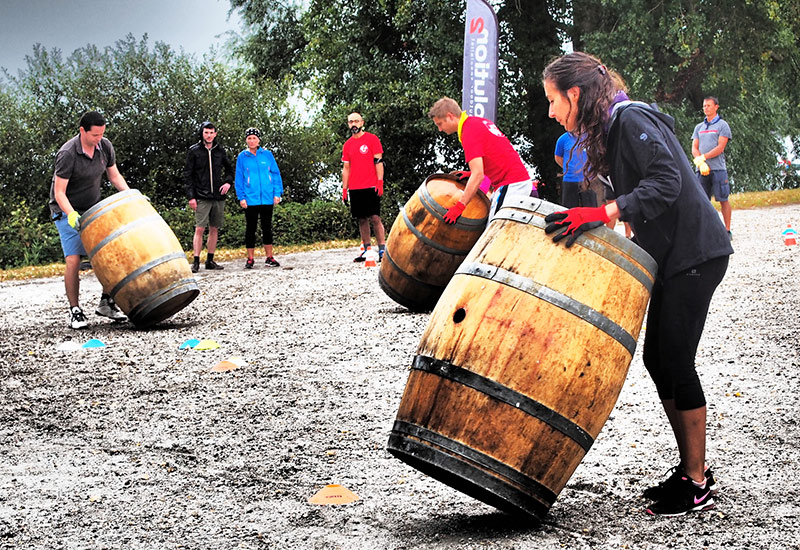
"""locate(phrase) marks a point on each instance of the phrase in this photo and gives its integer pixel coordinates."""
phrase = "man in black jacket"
(206, 190)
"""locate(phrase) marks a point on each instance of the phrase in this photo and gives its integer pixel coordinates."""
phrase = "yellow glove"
(700, 162)
(74, 220)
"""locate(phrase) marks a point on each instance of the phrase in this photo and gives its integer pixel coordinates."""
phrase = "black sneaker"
(77, 319)
(195, 267)
(108, 308)
(249, 263)
(683, 496)
(657, 492)
(361, 257)
(212, 265)
(271, 262)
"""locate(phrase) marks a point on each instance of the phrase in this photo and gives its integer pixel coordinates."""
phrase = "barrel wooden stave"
(416, 269)
(532, 349)
(137, 258)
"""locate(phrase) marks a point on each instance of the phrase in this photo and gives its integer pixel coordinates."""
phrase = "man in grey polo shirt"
(80, 165)
(708, 148)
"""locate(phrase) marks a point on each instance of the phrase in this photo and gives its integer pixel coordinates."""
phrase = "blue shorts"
(70, 238)
(716, 184)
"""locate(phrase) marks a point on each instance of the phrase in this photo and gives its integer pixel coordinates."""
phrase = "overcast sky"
(194, 25)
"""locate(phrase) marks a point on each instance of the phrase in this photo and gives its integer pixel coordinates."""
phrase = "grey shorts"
(209, 212)
(716, 184)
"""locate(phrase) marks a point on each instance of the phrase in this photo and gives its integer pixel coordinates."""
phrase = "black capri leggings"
(251, 216)
(675, 321)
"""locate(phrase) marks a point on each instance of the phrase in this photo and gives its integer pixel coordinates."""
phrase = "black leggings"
(675, 321)
(251, 215)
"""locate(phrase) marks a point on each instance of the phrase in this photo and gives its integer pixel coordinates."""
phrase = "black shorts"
(365, 203)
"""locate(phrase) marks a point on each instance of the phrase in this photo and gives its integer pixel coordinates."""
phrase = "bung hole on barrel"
(459, 315)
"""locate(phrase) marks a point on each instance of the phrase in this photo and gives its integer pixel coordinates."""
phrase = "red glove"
(452, 215)
(344, 194)
(460, 174)
(574, 222)
(380, 188)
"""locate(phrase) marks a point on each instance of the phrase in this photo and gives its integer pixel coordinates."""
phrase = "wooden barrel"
(137, 258)
(423, 251)
(523, 359)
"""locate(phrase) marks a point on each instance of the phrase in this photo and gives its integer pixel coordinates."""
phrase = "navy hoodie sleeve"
(652, 163)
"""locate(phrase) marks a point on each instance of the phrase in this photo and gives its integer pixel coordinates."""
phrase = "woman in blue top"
(258, 187)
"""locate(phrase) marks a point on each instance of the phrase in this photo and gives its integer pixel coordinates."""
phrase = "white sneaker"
(107, 308)
(77, 319)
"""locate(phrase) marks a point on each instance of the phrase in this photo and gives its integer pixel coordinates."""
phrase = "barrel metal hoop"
(427, 286)
(122, 230)
(134, 195)
(408, 429)
(645, 276)
(417, 233)
(146, 267)
(568, 304)
(430, 204)
(506, 395)
(142, 309)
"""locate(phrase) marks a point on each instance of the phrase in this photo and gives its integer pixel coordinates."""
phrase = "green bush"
(26, 241)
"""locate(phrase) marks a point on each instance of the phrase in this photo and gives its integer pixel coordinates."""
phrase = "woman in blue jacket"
(258, 187)
(657, 192)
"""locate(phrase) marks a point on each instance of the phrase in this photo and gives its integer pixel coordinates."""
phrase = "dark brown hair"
(598, 86)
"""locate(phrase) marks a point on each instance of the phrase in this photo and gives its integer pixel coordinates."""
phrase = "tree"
(391, 60)
(677, 52)
(154, 100)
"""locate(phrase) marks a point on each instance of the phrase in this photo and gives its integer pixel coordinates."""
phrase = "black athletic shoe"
(271, 262)
(657, 492)
(249, 263)
(77, 319)
(195, 267)
(683, 496)
(211, 265)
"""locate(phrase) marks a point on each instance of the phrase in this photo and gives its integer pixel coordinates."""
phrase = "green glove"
(74, 220)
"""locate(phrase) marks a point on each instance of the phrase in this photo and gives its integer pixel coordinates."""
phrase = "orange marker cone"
(789, 236)
(370, 258)
(333, 494)
(224, 366)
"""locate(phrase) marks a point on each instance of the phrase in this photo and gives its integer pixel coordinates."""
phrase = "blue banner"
(479, 92)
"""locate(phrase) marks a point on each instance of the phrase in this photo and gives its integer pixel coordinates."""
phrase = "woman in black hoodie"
(634, 146)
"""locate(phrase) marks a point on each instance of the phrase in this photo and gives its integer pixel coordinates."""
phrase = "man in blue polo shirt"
(80, 165)
(708, 148)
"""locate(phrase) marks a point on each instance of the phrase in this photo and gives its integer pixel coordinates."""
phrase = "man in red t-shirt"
(362, 176)
(487, 151)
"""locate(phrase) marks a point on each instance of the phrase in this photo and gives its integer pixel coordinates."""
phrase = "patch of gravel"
(139, 445)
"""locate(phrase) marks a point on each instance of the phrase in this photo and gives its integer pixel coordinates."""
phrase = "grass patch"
(759, 199)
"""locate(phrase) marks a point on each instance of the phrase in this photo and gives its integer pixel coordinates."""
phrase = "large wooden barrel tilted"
(422, 251)
(137, 258)
(523, 359)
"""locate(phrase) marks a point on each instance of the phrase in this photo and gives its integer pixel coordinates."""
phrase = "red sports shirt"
(360, 153)
(482, 138)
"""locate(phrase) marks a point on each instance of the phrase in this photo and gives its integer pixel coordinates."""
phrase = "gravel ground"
(140, 445)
